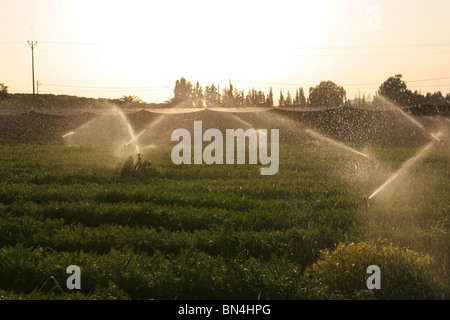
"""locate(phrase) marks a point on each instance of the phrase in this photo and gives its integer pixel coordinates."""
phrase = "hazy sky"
(113, 48)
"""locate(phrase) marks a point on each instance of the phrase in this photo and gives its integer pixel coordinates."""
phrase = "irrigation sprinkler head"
(366, 212)
(366, 202)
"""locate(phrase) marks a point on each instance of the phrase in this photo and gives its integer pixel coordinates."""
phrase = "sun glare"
(146, 38)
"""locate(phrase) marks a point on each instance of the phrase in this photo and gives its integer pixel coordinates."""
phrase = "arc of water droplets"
(334, 142)
(68, 134)
(149, 127)
(87, 124)
(314, 134)
(405, 167)
(418, 156)
(246, 123)
(410, 118)
(130, 129)
(135, 138)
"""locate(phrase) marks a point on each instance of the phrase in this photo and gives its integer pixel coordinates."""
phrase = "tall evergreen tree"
(296, 101)
(228, 96)
(269, 100)
(248, 98)
(197, 96)
(302, 99)
(261, 98)
(239, 98)
(281, 101)
(212, 97)
(288, 101)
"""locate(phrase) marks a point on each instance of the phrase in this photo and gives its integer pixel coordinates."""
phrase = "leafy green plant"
(201, 231)
(405, 274)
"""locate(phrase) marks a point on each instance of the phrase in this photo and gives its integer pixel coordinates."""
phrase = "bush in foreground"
(404, 274)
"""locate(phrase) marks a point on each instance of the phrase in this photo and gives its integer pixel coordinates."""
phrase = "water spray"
(84, 126)
(247, 124)
(128, 125)
(68, 134)
(334, 142)
(405, 167)
(436, 137)
(135, 138)
(415, 122)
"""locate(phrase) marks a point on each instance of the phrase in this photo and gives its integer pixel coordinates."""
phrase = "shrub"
(3, 91)
(404, 273)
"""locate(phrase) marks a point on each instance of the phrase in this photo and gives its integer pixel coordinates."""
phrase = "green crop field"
(219, 231)
(219, 158)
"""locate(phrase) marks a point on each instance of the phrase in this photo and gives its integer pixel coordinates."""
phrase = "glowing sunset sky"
(114, 48)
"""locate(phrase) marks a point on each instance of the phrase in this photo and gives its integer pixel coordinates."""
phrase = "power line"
(425, 86)
(418, 45)
(11, 42)
(364, 54)
(275, 85)
(93, 87)
(84, 91)
(301, 84)
(76, 43)
(345, 84)
(120, 88)
(428, 79)
(337, 47)
(58, 42)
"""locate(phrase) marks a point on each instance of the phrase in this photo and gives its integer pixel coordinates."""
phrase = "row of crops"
(175, 232)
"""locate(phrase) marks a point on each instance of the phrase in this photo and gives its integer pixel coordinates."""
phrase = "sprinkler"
(366, 212)
(137, 163)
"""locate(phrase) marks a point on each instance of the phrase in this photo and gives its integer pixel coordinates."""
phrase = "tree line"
(325, 94)
(188, 95)
(395, 89)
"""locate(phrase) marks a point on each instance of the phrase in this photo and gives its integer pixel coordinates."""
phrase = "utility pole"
(32, 45)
